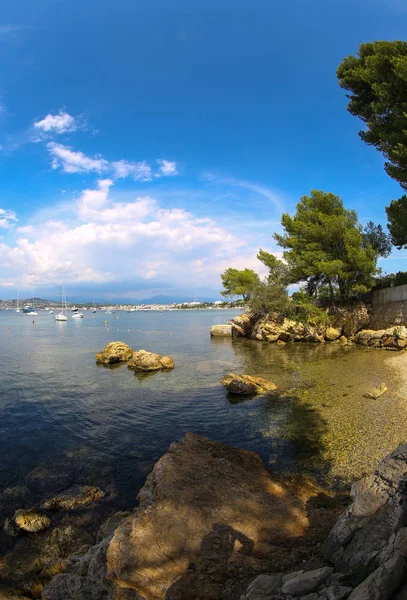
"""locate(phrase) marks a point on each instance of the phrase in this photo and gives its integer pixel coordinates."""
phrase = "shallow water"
(110, 426)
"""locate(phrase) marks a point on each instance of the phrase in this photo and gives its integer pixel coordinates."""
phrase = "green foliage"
(377, 82)
(304, 309)
(269, 298)
(397, 217)
(393, 279)
(324, 247)
(278, 271)
(239, 283)
(380, 241)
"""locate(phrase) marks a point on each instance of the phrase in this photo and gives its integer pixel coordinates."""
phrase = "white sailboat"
(77, 315)
(62, 316)
(18, 302)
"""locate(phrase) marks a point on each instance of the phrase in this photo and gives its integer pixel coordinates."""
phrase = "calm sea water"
(57, 407)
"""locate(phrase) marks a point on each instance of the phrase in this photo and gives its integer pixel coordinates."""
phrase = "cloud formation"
(71, 161)
(74, 162)
(7, 218)
(60, 123)
(109, 241)
(167, 168)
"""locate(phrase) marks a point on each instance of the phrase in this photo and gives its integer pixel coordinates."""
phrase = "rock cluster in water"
(138, 360)
(210, 525)
(247, 385)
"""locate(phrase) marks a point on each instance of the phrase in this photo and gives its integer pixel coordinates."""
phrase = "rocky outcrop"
(272, 328)
(394, 338)
(209, 525)
(369, 541)
(206, 513)
(114, 353)
(76, 497)
(221, 331)
(138, 360)
(242, 325)
(247, 385)
(348, 326)
(351, 319)
(149, 361)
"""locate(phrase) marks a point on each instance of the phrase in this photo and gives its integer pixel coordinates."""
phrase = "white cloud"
(104, 240)
(74, 162)
(139, 171)
(60, 123)
(167, 168)
(7, 218)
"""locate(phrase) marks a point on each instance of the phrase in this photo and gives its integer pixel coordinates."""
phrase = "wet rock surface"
(141, 360)
(74, 498)
(114, 353)
(247, 385)
(221, 331)
(31, 520)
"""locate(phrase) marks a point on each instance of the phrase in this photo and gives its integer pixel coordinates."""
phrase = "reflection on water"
(110, 426)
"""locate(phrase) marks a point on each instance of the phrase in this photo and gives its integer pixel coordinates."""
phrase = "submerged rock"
(207, 505)
(114, 352)
(141, 360)
(31, 520)
(376, 392)
(76, 497)
(221, 330)
(247, 385)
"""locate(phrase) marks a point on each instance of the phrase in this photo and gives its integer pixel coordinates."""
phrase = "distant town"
(41, 304)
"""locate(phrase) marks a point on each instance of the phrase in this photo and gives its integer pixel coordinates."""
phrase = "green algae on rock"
(247, 385)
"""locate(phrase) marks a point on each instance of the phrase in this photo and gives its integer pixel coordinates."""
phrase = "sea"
(58, 407)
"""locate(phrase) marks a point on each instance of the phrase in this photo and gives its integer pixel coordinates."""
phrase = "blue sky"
(148, 145)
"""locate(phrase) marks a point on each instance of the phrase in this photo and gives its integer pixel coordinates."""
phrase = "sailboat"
(18, 302)
(94, 307)
(61, 316)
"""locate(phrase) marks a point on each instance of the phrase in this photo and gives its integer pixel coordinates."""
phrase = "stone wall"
(389, 307)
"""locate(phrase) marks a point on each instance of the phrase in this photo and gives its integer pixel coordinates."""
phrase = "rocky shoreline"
(213, 524)
(349, 325)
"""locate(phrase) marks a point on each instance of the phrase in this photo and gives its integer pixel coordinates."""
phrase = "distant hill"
(160, 299)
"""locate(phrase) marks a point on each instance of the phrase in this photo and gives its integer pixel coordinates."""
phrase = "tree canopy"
(324, 245)
(378, 239)
(397, 217)
(278, 270)
(239, 283)
(377, 82)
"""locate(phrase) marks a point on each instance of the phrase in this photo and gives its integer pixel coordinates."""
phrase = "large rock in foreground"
(149, 361)
(246, 385)
(114, 353)
(206, 505)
